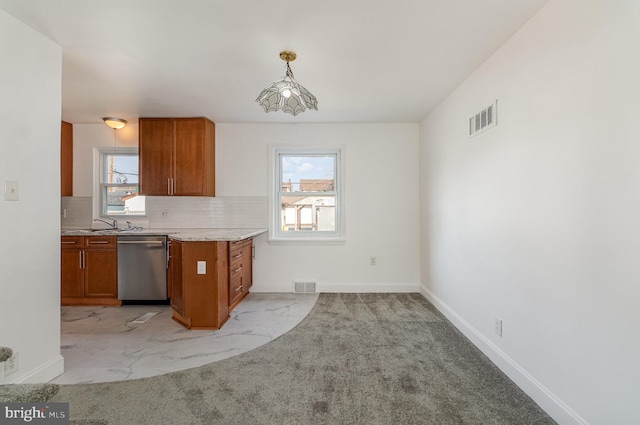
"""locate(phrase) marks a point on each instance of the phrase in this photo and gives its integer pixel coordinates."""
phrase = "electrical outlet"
(497, 326)
(11, 364)
(165, 213)
(372, 261)
(202, 267)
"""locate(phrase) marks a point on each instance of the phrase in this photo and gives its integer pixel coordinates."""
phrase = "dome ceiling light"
(115, 123)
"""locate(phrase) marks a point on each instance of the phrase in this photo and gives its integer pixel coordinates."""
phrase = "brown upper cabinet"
(176, 156)
(66, 159)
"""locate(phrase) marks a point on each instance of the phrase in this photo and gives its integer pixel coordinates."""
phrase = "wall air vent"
(484, 119)
(304, 287)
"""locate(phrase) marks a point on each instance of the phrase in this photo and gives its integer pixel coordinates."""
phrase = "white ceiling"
(365, 60)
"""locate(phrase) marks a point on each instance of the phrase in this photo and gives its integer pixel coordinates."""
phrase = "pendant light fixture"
(115, 124)
(287, 94)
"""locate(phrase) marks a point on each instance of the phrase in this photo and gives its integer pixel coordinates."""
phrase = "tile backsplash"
(75, 212)
(180, 212)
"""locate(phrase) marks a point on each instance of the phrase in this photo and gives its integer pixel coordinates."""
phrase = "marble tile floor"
(101, 344)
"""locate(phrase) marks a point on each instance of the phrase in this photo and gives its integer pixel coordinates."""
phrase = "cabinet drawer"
(235, 256)
(235, 247)
(100, 242)
(235, 262)
(68, 242)
(235, 269)
(235, 289)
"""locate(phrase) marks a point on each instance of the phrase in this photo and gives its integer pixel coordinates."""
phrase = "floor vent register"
(145, 317)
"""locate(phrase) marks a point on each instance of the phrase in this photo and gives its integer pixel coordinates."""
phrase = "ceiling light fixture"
(115, 123)
(287, 94)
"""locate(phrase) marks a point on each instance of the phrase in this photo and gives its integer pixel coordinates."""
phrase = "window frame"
(99, 203)
(276, 234)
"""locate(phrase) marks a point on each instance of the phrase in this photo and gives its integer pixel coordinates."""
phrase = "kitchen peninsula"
(210, 272)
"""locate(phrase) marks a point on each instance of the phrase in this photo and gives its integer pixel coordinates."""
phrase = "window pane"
(311, 173)
(123, 200)
(120, 169)
(306, 202)
(308, 213)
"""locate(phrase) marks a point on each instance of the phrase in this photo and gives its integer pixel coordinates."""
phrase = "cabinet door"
(71, 273)
(101, 273)
(247, 263)
(192, 157)
(155, 141)
(175, 271)
(66, 159)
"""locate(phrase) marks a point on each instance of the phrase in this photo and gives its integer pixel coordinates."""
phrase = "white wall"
(537, 221)
(30, 99)
(382, 204)
(86, 137)
(382, 200)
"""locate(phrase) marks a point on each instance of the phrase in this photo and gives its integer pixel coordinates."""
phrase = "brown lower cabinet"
(89, 270)
(202, 299)
(240, 274)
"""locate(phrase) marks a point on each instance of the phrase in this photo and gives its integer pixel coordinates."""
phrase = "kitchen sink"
(105, 231)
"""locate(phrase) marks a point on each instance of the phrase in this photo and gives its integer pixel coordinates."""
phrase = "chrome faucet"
(113, 225)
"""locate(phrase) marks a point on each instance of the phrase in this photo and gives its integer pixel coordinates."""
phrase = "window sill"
(307, 241)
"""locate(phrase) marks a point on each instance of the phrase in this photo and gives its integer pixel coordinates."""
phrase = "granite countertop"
(188, 235)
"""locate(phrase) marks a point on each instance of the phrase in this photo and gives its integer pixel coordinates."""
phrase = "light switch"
(202, 267)
(11, 192)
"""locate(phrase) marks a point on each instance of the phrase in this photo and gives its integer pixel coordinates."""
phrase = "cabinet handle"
(238, 288)
(237, 256)
(237, 270)
(168, 253)
(71, 242)
(97, 242)
(169, 186)
(237, 242)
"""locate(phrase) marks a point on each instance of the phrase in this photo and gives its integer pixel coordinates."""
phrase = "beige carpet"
(355, 359)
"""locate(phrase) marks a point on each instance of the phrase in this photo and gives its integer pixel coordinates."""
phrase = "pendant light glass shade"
(287, 94)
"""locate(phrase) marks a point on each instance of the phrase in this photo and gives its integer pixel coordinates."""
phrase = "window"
(306, 201)
(118, 183)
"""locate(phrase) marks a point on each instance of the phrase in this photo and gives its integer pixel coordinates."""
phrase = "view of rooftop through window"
(308, 197)
(120, 185)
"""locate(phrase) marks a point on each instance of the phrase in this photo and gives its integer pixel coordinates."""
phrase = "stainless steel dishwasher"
(142, 269)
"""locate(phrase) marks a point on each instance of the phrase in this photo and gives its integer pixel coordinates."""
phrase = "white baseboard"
(44, 373)
(551, 404)
(360, 288)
